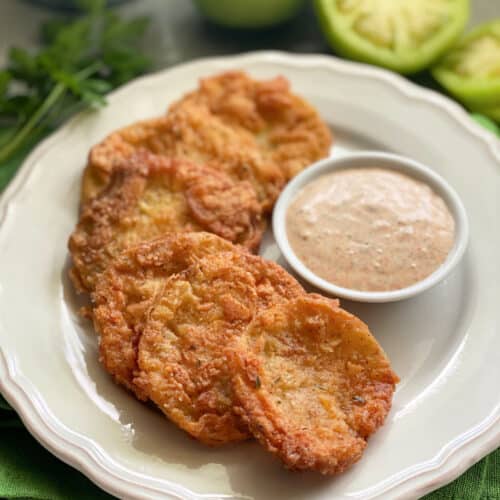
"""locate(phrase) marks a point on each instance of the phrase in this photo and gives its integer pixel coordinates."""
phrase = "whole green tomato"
(249, 13)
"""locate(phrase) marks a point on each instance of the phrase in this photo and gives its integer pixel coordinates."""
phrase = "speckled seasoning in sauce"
(370, 229)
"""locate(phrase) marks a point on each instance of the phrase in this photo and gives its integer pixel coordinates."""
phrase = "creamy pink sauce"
(370, 229)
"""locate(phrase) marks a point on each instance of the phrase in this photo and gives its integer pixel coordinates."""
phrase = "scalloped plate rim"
(92, 460)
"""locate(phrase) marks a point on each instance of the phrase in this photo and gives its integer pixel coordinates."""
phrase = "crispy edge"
(227, 208)
(189, 132)
(119, 311)
(113, 150)
(272, 283)
(196, 394)
(296, 449)
(213, 202)
(87, 243)
(204, 136)
(295, 135)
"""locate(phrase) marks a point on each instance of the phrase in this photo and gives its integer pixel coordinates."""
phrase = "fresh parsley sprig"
(79, 62)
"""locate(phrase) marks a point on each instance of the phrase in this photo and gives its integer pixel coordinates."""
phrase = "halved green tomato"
(471, 71)
(487, 123)
(492, 112)
(402, 35)
(249, 13)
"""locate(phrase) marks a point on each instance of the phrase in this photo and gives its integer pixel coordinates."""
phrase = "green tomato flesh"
(471, 71)
(249, 13)
(402, 35)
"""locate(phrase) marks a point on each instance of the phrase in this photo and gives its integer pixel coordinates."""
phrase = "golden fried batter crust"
(288, 130)
(181, 352)
(253, 130)
(150, 195)
(191, 133)
(312, 383)
(128, 288)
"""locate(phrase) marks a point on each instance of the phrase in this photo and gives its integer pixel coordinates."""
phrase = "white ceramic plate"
(444, 344)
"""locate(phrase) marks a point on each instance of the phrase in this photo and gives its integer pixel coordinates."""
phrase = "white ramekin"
(378, 160)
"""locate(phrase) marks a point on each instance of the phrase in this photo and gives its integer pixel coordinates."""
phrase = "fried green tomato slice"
(192, 133)
(471, 70)
(181, 358)
(128, 288)
(286, 129)
(312, 383)
(150, 195)
(402, 35)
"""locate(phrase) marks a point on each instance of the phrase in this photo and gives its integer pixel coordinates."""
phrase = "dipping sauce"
(370, 229)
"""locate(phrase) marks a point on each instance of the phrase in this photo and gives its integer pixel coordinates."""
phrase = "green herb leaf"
(80, 61)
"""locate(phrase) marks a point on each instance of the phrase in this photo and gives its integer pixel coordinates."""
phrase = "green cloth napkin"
(27, 470)
(480, 482)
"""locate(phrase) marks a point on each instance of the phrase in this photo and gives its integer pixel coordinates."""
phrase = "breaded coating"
(126, 291)
(288, 130)
(182, 364)
(151, 195)
(312, 383)
(191, 133)
(252, 130)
